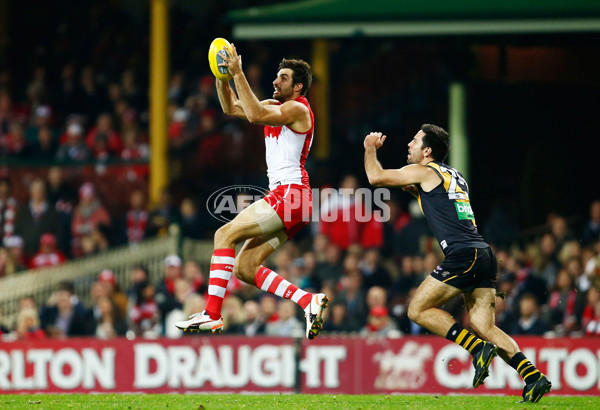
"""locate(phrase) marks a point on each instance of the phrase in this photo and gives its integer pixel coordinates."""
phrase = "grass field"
(306, 401)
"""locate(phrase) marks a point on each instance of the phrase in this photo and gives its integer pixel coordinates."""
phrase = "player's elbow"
(375, 180)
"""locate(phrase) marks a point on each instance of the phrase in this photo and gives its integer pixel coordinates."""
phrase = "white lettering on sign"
(182, 366)
(442, 372)
(587, 360)
(40, 359)
(144, 354)
(65, 368)
(311, 365)
(58, 372)
(98, 369)
(554, 357)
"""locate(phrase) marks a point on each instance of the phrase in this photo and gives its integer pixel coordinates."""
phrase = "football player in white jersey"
(268, 222)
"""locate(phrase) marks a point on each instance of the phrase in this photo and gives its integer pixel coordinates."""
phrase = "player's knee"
(414, 313)
(224, 236)
(245, 269)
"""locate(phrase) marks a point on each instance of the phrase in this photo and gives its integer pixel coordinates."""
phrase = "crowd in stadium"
(547, 286)
(81, 103)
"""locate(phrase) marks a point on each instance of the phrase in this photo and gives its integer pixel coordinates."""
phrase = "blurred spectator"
(110, 322)
(254, 323)
(90, 220)
(398, 219)
(530, 322)
(118, 297)
(562, 302)
(192, 223)
(592, 267)
(591, 230)
(28, 326)
(287, 324)
(588, 312)
(162, 216)
(194, 304)
(48, 255)
(592, 327)
(12, 259)
(211, 141)
(165, 289)
(410, 239)
(139, 275)
(182, 292)
(177, 89)
(330, 270)
(60, 194)
(352, 293)
(319, 247)
(268, 307)
(62, 197)
(548, 264)
(192, 273)
(73, 149)
(338, 214)
(528, 281)
(380, 324)
(133, 228)
(233, 315)
(337, 319)
(102, 139)
(373, 273)
(8, 209)
(376, 296)
(560, 230)
(17, 144)
(46, 146)
(144, 316)
(182, 133)
(36, 218)
(60, 318)
(133, 150)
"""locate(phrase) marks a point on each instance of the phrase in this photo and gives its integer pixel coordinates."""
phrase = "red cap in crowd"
(107, 276)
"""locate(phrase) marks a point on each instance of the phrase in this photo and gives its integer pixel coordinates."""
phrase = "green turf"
(305, 401)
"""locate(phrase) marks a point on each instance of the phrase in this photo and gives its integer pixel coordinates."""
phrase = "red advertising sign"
(326, 365)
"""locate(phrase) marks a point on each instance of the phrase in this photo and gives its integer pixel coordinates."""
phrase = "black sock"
(464, 338)
(525, 368)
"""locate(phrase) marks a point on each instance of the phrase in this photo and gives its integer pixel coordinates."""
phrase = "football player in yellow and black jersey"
(470, 266)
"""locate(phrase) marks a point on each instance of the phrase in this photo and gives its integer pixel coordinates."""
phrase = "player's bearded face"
(283, 87)
(415, 149)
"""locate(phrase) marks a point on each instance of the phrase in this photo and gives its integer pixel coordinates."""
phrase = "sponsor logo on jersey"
(464, 211)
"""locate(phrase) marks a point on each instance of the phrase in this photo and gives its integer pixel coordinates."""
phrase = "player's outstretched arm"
(408, 175)
(229, 102)
(268, 112)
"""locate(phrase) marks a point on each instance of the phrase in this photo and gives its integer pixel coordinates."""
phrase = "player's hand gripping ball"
(215, 57)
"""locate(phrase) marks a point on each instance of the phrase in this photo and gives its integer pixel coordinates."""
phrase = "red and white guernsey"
(286, 152)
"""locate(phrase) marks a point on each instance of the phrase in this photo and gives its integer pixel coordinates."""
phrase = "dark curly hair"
(302, 73)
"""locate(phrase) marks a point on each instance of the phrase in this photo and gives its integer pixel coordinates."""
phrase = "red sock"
(221, 268)
(271, 282)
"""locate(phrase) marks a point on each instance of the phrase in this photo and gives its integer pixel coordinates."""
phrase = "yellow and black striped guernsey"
(448, 211)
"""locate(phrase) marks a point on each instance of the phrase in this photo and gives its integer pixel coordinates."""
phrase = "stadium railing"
(40, 283)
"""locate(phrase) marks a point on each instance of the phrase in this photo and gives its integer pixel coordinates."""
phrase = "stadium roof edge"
(346, 18)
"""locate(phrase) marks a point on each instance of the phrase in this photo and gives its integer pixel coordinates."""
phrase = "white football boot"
(201, 322)
(314, 315)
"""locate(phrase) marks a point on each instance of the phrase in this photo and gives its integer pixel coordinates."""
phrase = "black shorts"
(468, 269)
